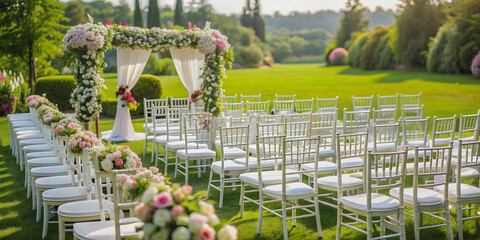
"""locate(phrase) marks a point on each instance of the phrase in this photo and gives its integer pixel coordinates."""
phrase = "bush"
(355, 52)
(435, 49)
(329, 50)
(251, 56)
(476, 66)
(367, 59)
(109, 107)
(443, 54)
(149, 87)
(338, 56)
(163, 66)
(384, 57)
(57, 89)
(281, 51)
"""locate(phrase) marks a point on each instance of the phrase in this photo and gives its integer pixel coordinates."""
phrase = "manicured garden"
(443, 95)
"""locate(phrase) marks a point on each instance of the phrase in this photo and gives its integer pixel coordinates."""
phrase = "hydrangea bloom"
(337, 56)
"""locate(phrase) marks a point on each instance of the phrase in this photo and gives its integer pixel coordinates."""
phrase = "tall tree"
(137, 15)
(76, 13)
(179, 18)
(153, 14)
(352, 21)
(122, 13)
(31, 31)
(258, 23)
(416, 24)
(246, 18)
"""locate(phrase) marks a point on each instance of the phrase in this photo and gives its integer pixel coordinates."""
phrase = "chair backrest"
(443, 130)
(269, 148)
(230, 99)
(387, 102)
(385, 116)
(433, 170)
(469, 127)
(251, 98)
(283, 106)
(179, 103)
(234, 109)
(410, 101)
(239, 121)
(412, 113)
(324, 123)
(362, 103)
(284, 97)
(415, 132)
(265, 119)
(303, 105)
(298, 117)
(386, 134)
(351, 145)
(172, 117)
(270, 129)
(299, 129)
(147, 107)
(257, 107)
(327, 104)
(199, 126)
(468, 156)
(234, 137)
(355, 121)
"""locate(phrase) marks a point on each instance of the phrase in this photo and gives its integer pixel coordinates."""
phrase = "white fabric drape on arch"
(189, 63)
(130, 64)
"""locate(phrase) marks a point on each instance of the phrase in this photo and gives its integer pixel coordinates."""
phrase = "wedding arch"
(200, 56)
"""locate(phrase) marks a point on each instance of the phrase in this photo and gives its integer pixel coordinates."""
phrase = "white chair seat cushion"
(217, 143)
(467, 191)
(164, 139)
(24, 128)
(29, 136)
(150, 125)
(252, 162)
(49, 171)
(37, 148)
(416, 142)
(87, 208)
(20, 123)
(385, 147)
(326, 152)
(228, 165)
(323, 167)
(351, 162)
(292, 189)
(196, 153)
(101, 230)
(41, 154)
(181, 145)
(332, 181)
(426, 197)
(45, 161)
(65, 194)
(32, 141)
(468, 172)
(163, 129)
(380, 202)
(232, 153)
(440, 141)
(55, 182)
(268, 177)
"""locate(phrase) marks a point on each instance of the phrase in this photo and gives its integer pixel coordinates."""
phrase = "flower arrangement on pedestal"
(118, 157)
(133, 186)
(126, 98)
(174, 213)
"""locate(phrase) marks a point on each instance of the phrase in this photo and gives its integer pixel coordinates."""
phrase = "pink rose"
(123, 179)
(187, 189)
(88, 145)
(206, 232)
(82, 145)
(118, 162)
(69, 145)
(117, 154)
(178, 195)
(196, 221)
(142, 211)
(134, 184)
(139, 163)
(154, 170)
(70, 125)
(176, 211)
(163, 200)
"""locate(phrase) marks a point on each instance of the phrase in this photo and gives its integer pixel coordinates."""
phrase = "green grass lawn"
(444, 95)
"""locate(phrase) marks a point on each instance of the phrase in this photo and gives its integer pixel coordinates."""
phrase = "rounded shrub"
(338, 56)
(149, 87)
(367, 59)
(384, 57)
(57, 89)
(109, 107)
(476, 66)
(355, 51)
(329, 50)
(251, 56)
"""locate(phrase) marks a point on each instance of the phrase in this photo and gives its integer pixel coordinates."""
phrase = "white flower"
(206, 44)
(131, 163)
(227, 232)
(107, 165)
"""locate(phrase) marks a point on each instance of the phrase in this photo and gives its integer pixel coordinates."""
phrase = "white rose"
(227, 232)
(107, 165)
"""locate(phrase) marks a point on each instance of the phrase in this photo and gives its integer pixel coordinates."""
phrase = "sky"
(283, 6)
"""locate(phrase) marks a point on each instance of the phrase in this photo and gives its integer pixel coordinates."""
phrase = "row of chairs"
(68, 184)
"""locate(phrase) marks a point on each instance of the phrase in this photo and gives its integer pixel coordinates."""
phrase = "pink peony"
(196, 221)
(177, 210)
(134, 184)
(82, 145)
(178, 195)
(163, 200)
(142, 211)
(187, 189)
(118, 162)
(154, 170)
(88, 145)
(70, 125)
(206, 232)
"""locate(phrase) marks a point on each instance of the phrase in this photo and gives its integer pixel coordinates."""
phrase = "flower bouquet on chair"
(118, 157)
(133, 186)
(67, 127)
(84, 140)
(174, 213)
(127, 98)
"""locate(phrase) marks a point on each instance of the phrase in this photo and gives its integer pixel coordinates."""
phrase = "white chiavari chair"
(327, 104)
(412, 113)
(387, 102)
(257, 107)
(410, 101)
(230, 99)
(147, 114)
(362, 103)
(355, 121)
(304, 105)
(233, 109)
(386, 137)
(250, 98)
(385, 116)
(443, 131)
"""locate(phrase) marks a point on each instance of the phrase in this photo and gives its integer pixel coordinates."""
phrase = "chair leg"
(317, 215)
(29, 185)
(460, 220)
(176, 167)
(339, 220)
(284, 221)
(34, 194)
(242, 194)
(209, 184)
(260, 212)
(222, 189)
(154, 150)
(166, 160)
(382, 226)
(61, 228)
(46, 217)
(39, 205)
(448, 221)
(146, 143)
(401, 220)
(294, 213)
(369, 226)
(416, 222)
(186, 171)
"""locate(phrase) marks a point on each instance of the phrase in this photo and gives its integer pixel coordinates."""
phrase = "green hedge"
(368, 57)
(57, 89)
(148, 86)
(355, 51)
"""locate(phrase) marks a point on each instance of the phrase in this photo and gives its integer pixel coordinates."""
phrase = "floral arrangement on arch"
(174, 213)
(195, 96)
(133, 186)
(85, 46)
(126, 98)
(118, 157)
(84, 140)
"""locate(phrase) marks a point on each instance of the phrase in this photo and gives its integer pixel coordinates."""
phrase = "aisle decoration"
(118, 157)
(67, 127)
(85, 140)
(85, 46)
(174, 213)
(133, 186)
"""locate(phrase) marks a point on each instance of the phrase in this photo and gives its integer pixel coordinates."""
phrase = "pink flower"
(142, 211)
(187, 189)
(206, 232)
(163, 200)
(176, 211)
(139, 164)
(134, 184)
(123, 179)
(196, 221)
(118, 162)
(154, 170)
(70, 125)
(82, 145)
(178, 195)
